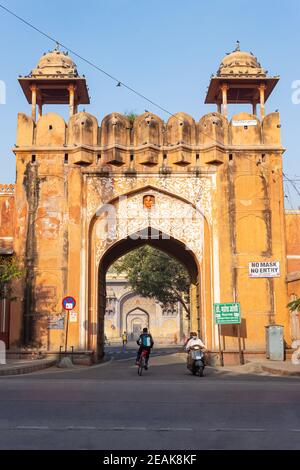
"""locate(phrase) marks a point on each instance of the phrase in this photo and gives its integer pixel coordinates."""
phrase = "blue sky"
(166, 49)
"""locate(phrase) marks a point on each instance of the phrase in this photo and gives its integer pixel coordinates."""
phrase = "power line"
(292, 183)
(71, 51)
(288, 195)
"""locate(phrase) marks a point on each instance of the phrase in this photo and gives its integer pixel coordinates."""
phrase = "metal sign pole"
(220, 346)
(68, 303)
(67, 332)
(242, 362)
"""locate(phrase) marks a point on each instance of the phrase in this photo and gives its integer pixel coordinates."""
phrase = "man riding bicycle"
(145, 343)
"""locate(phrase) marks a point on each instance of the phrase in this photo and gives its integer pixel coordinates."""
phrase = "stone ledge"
(22, 369)
(288, 371)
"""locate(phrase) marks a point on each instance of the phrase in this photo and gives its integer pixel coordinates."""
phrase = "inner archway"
(164, 243)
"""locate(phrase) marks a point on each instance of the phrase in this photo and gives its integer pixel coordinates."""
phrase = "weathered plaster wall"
(293, 264)
(7, 218)
(66, 172)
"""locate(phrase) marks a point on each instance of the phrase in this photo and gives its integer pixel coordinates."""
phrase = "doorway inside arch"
(136, 320)
(123, 307)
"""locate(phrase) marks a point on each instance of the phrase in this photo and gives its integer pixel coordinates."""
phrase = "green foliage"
(294, 305)
(10, 270)
(152, 273)
(131, 116)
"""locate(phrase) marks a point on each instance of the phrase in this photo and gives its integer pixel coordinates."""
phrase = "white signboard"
(245, 122)
(264, 269)
(73, 317)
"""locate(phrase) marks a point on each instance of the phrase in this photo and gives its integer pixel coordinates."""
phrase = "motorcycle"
(196, 362)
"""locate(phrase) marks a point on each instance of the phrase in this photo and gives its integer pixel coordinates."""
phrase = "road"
(110, 407)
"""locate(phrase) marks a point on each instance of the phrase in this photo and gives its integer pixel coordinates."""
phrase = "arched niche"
(252, 235)
(251, 192)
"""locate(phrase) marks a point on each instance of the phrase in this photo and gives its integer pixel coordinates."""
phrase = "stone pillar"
(72, 99)
(254, 109)
(40, 110)
(224, 89)
(219, 108)
(33, 101)
(262, 100)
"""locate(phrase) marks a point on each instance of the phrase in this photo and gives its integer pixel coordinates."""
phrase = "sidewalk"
(20, 367)
(283, 368)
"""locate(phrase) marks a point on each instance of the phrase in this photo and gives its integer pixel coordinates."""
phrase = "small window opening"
(131, 158)
(230, 157)
(33, 158)
(263, 157)
(99, 158)
(66, 158)
(50, 128)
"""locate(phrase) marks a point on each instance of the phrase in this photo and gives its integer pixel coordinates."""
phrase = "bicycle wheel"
(141, 366)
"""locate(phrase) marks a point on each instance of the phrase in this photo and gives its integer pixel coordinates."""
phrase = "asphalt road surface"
(110, 407)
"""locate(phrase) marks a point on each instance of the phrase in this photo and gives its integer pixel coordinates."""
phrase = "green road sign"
(227, 314)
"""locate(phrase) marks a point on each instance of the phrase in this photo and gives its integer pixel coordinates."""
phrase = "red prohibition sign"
(69, 303)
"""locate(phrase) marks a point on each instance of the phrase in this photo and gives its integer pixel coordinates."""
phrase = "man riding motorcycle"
(146, 343)
(196, 365)
(194, 341)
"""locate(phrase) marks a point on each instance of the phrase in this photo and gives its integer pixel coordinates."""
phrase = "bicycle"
(142, 362)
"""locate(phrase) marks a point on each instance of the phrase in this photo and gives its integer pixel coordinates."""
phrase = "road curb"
(263, 368)
(283, 372)
(27, 368)
(37, 368)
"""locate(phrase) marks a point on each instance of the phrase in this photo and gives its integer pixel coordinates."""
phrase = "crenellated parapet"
(146, 140)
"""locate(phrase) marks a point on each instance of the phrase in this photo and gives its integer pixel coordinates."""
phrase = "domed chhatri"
(240, 80)
(55, 80)
(240, 63)
(55, 64)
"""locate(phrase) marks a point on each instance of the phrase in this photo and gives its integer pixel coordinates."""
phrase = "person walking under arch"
(124, 340)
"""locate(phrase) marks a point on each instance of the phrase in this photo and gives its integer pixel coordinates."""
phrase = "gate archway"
(172, 247)
(181, 231)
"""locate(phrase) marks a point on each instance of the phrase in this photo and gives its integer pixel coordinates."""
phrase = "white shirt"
(194, 342)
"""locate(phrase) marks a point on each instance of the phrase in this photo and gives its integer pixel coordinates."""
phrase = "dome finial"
(57, 48)
(238, 46)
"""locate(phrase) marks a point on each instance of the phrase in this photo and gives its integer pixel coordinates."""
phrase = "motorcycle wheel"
(201, 371)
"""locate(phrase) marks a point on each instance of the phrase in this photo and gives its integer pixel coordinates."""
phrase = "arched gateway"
(209, 193)
(174, 224)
